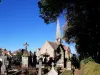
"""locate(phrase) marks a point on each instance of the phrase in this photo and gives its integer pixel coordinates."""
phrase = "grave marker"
(52, 71)
(4, 60)
(24, 61)
(68, 65)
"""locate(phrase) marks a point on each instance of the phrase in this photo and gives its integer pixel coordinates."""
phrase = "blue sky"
(20, 23)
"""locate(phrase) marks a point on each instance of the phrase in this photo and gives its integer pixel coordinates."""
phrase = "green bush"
(85, 61)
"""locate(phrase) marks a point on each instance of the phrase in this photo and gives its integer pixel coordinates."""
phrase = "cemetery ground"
(26, 67)
(90, 68)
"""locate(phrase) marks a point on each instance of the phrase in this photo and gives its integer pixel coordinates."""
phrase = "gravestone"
(37, 66)
(25, 57)
(52, 71)
(3, 67)
(25, 62)
(60, 62)
(40, 67)
(69, 65)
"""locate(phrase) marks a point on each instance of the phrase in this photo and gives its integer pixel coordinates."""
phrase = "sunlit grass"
(91, 68)
(66, 72)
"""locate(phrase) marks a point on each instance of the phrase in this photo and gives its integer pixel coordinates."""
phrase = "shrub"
(85, 61)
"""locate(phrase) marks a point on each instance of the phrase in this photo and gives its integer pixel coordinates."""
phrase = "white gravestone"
(52, 71)
(68, 65)
(24, 61)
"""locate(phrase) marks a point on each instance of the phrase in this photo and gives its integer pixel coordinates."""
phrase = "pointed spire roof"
(58, 30)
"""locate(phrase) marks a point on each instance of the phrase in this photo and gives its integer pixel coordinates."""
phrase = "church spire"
(58, 30)
(58, 37)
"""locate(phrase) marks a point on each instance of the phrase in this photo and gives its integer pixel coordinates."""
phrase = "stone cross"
(26, 44)
(40, 66)
(52, 64)
(3, 67)
(52, 71)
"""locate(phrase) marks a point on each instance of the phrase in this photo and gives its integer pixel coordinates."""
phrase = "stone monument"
(25, 57)
(60, 62)
(24, 61)
(69, 65)
(3, 67)
(40, 67)
(52, 71)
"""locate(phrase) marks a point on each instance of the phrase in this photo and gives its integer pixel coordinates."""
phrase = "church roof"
(54, 45)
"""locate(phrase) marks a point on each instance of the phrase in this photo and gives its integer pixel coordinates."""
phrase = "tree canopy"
(83, 21)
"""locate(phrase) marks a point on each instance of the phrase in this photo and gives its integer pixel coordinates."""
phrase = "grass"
(66, 72)
(91, 68)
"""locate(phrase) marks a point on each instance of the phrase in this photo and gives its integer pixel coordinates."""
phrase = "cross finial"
(26, 44)
(52, 64)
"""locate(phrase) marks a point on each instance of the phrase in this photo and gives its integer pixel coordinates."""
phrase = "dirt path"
(77, 72)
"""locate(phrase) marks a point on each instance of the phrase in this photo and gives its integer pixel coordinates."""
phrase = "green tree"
(83, 20)
(19, 53)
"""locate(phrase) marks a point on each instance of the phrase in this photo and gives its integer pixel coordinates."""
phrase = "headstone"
(68, 65)
(25, 62)
(40, 67)
(3, 67)
(37, 66)
(60, 62)
(52, 71)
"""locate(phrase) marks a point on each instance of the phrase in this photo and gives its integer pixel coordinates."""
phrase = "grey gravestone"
(3, 67)
(68, 65)
(52, 71)
(40, 67)
(24, 61)
(60, 62)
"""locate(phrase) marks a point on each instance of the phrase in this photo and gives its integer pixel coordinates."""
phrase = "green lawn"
(66, 73)
(91, 68)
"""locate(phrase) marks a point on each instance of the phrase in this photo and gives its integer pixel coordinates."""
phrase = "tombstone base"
(68, 65)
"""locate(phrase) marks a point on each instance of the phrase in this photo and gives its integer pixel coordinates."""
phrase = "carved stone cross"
(26, 44)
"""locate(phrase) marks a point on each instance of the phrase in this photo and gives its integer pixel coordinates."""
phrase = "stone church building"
(50, 48)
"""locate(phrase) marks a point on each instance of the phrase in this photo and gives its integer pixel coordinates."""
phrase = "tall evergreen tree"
(83, 21)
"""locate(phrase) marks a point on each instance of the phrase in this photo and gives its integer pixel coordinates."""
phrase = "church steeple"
(58, 37)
